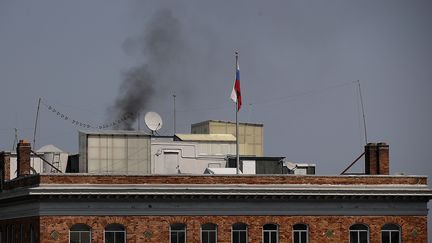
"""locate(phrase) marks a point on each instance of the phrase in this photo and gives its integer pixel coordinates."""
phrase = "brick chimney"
(377, 159)
(4, 168)
(23, 158)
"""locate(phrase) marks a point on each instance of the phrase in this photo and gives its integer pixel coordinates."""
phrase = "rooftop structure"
(251, 135)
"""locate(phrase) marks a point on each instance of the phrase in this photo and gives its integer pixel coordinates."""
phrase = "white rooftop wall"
(138, 153)
(178, 157)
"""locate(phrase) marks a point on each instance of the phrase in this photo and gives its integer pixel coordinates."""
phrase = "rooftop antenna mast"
(363, 112)
(16, 139)
(174, 98)
(36, 122)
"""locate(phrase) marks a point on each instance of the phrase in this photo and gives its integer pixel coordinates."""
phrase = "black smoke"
(162, 49)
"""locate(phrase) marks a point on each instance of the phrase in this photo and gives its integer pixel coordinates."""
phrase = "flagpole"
(237, 125)
(237, 143)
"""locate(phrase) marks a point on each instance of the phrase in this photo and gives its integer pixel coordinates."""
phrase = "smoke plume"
(162, 48)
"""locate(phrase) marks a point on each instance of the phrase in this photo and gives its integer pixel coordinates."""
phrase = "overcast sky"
(299, 61)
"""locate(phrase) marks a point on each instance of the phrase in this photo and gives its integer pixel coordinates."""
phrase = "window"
(390, 233)
(208, 233)
(300, 232)
(115, 233)
(359, 233)
(80, 233)
(270, 233)
(32, 234)
(239, 233)
(178, 233)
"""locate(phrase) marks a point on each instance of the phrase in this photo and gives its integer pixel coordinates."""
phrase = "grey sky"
(72, 54)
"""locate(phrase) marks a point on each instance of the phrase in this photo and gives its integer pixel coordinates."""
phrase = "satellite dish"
(153, 121)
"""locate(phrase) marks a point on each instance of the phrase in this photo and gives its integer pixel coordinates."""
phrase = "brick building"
(62, 208)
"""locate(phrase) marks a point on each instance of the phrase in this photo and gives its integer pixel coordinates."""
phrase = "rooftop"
(220, 186)
(207, 137)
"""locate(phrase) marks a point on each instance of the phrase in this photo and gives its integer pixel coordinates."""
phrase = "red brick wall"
(384, 160)
(377, 159)
(5, 164)
(23, 158)
(371, 159)
(34, 180)
(158, 226)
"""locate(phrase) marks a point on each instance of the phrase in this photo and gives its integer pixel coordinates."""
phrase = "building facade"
(108, 208)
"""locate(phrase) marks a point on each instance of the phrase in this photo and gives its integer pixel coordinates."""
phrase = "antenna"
(36, 121)
(174, 97)
(153, 121)
(16, 139)
(363, 112)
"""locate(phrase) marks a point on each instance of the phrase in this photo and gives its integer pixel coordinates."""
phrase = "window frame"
(399, 231)
(115, 231)
(89, 230)
(184, 230)
(358, 232)
(270, 231)
(294, 231)
(215, 230)
(241, 230)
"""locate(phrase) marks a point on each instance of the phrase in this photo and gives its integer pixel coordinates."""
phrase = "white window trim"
(80, 231)
(184, 230)
(116, 231)
(390, 231)
(270, 231)
(358, 233)
(233, 230)
(300, 231)
(201, 232)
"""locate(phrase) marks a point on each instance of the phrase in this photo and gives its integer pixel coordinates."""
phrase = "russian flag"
(235, 93)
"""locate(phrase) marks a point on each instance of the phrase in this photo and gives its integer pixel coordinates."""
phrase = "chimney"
(23, 158)
(377, 159)
(4, 168)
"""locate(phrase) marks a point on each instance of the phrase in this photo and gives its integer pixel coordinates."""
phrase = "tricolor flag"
(236, 94)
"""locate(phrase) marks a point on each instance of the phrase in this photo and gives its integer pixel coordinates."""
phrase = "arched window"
(115, 233)
(239, 233)
(208, 233)
(178, 233)
(300, 232)
(271, 233)
(359, 233)
(79, 233)
(391, 233)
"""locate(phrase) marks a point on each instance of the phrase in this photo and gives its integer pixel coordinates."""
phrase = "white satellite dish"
(153, 121)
